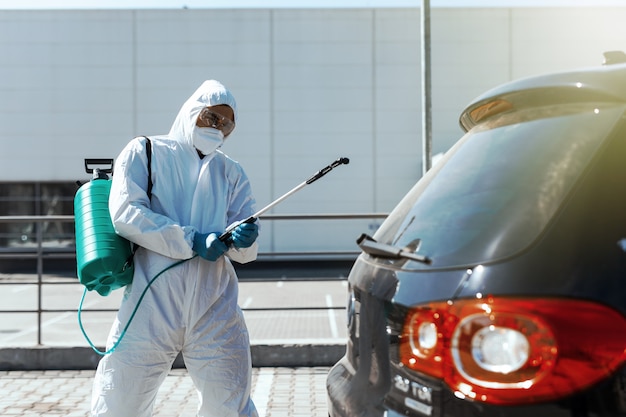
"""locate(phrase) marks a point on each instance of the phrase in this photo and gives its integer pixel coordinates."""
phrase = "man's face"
(219, 117)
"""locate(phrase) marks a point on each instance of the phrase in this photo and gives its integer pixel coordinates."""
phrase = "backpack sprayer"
(104, 259)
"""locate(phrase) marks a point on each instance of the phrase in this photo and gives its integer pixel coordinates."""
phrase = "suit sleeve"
(130, 210)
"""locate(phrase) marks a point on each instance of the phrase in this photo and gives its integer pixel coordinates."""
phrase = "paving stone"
(277, 392)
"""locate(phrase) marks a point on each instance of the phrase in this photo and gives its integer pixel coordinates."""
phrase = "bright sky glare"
(272, 4)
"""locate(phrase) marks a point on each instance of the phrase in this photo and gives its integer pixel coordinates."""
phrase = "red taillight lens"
(510, 351)
(425, 341)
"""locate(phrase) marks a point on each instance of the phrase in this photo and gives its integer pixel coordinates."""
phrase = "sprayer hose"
(117, 342)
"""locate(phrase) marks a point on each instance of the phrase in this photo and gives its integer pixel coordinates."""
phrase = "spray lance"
(226, 236)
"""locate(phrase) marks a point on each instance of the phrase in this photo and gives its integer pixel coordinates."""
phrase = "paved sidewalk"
(277, 392)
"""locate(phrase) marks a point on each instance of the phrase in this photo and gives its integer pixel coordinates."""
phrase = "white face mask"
(207, 139)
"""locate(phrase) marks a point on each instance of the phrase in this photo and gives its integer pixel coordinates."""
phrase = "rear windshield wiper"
(383, 250)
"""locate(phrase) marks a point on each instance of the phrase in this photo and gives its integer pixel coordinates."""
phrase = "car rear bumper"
(349, 396)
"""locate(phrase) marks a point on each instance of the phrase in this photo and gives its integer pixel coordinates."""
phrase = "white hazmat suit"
(192, 308)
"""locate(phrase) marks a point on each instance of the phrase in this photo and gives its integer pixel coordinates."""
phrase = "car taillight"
(514, 350)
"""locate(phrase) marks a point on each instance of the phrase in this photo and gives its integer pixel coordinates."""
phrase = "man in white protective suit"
(191, 308)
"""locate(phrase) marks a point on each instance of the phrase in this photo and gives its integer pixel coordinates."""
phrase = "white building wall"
(312, 85)
(65, 91)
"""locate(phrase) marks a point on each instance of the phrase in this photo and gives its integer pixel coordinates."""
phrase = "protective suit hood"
(210, 93)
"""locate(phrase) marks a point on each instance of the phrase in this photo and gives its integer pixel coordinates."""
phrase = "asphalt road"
(277, 311)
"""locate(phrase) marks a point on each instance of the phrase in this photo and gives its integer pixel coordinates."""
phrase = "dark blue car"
(497, 286)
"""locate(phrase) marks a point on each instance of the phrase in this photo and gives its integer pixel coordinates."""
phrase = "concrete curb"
(296, 355)
(83, 358)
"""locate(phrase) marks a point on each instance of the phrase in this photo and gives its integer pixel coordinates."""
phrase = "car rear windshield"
(497, 188)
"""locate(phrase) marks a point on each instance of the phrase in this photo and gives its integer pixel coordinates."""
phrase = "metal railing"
(40, 253)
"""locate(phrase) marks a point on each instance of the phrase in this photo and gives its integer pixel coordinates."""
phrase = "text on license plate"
(418, 397)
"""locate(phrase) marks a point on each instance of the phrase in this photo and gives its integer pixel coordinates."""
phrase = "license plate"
(415, 396)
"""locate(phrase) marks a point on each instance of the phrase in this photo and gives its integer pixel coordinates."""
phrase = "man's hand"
(244, 235)
(208, 246)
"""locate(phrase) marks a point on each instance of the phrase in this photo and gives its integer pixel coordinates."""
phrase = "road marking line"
(23, 288)
(60, 317)
(332, 319)
(247, 302)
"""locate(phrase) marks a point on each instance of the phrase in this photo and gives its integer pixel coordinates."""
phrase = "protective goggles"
(208, 118)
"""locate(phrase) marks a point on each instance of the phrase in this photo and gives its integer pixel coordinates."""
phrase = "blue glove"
(209, 246)
(244, 235)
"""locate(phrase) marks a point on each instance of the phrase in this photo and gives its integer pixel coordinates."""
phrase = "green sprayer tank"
(103, 258)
